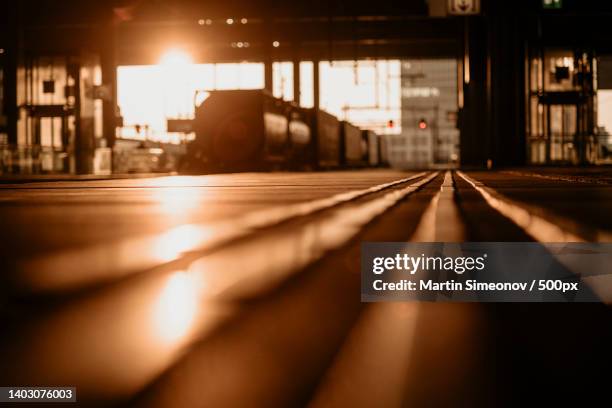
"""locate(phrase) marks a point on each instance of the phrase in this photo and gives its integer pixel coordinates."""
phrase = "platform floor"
(243, 290)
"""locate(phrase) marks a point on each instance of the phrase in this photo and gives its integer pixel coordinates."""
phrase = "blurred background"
(89, 89)
(185, 186)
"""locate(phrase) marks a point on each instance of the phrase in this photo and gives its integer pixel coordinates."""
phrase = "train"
(250, 130)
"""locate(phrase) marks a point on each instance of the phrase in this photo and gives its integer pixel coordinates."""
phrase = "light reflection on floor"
(178, 201)
(170, 245)
(176, 307)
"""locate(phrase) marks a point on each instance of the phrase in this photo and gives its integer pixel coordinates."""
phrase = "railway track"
(225, 312)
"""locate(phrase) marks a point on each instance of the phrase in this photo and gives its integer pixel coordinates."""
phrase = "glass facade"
(429, 136)
(561, 107)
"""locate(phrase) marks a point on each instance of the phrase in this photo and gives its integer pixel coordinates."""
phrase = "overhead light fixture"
(275, 44)
(230, 21)
(243, 20)
(201, 21)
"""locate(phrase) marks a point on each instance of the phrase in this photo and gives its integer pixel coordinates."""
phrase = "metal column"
(315, 83)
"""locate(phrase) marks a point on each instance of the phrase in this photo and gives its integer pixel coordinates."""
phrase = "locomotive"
(250, 130)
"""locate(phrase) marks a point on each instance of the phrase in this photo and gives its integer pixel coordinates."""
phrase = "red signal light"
(422, 124)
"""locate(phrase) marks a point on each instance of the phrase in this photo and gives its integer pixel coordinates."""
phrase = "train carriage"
(353, 148)
(240, 130)
(372, 154)
(250, 130)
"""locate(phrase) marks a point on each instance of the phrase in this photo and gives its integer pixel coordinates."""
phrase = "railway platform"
(243, 289)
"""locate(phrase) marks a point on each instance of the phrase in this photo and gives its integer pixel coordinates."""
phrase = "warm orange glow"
(367, 93)
(177, 201)
(149, 94)
(175, 57)
(173, 243)
(175, 310)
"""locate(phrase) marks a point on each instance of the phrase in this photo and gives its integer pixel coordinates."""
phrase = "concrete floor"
(243, 290)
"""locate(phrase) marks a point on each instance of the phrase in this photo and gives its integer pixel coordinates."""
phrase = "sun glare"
(366, 93)
(175, 57)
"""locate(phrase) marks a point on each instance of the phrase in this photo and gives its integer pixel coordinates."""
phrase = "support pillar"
(493, 117)
(10, 62)
(268, 74)
(474, 114)
(108, 62)
(296, 77)
(315, 84)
